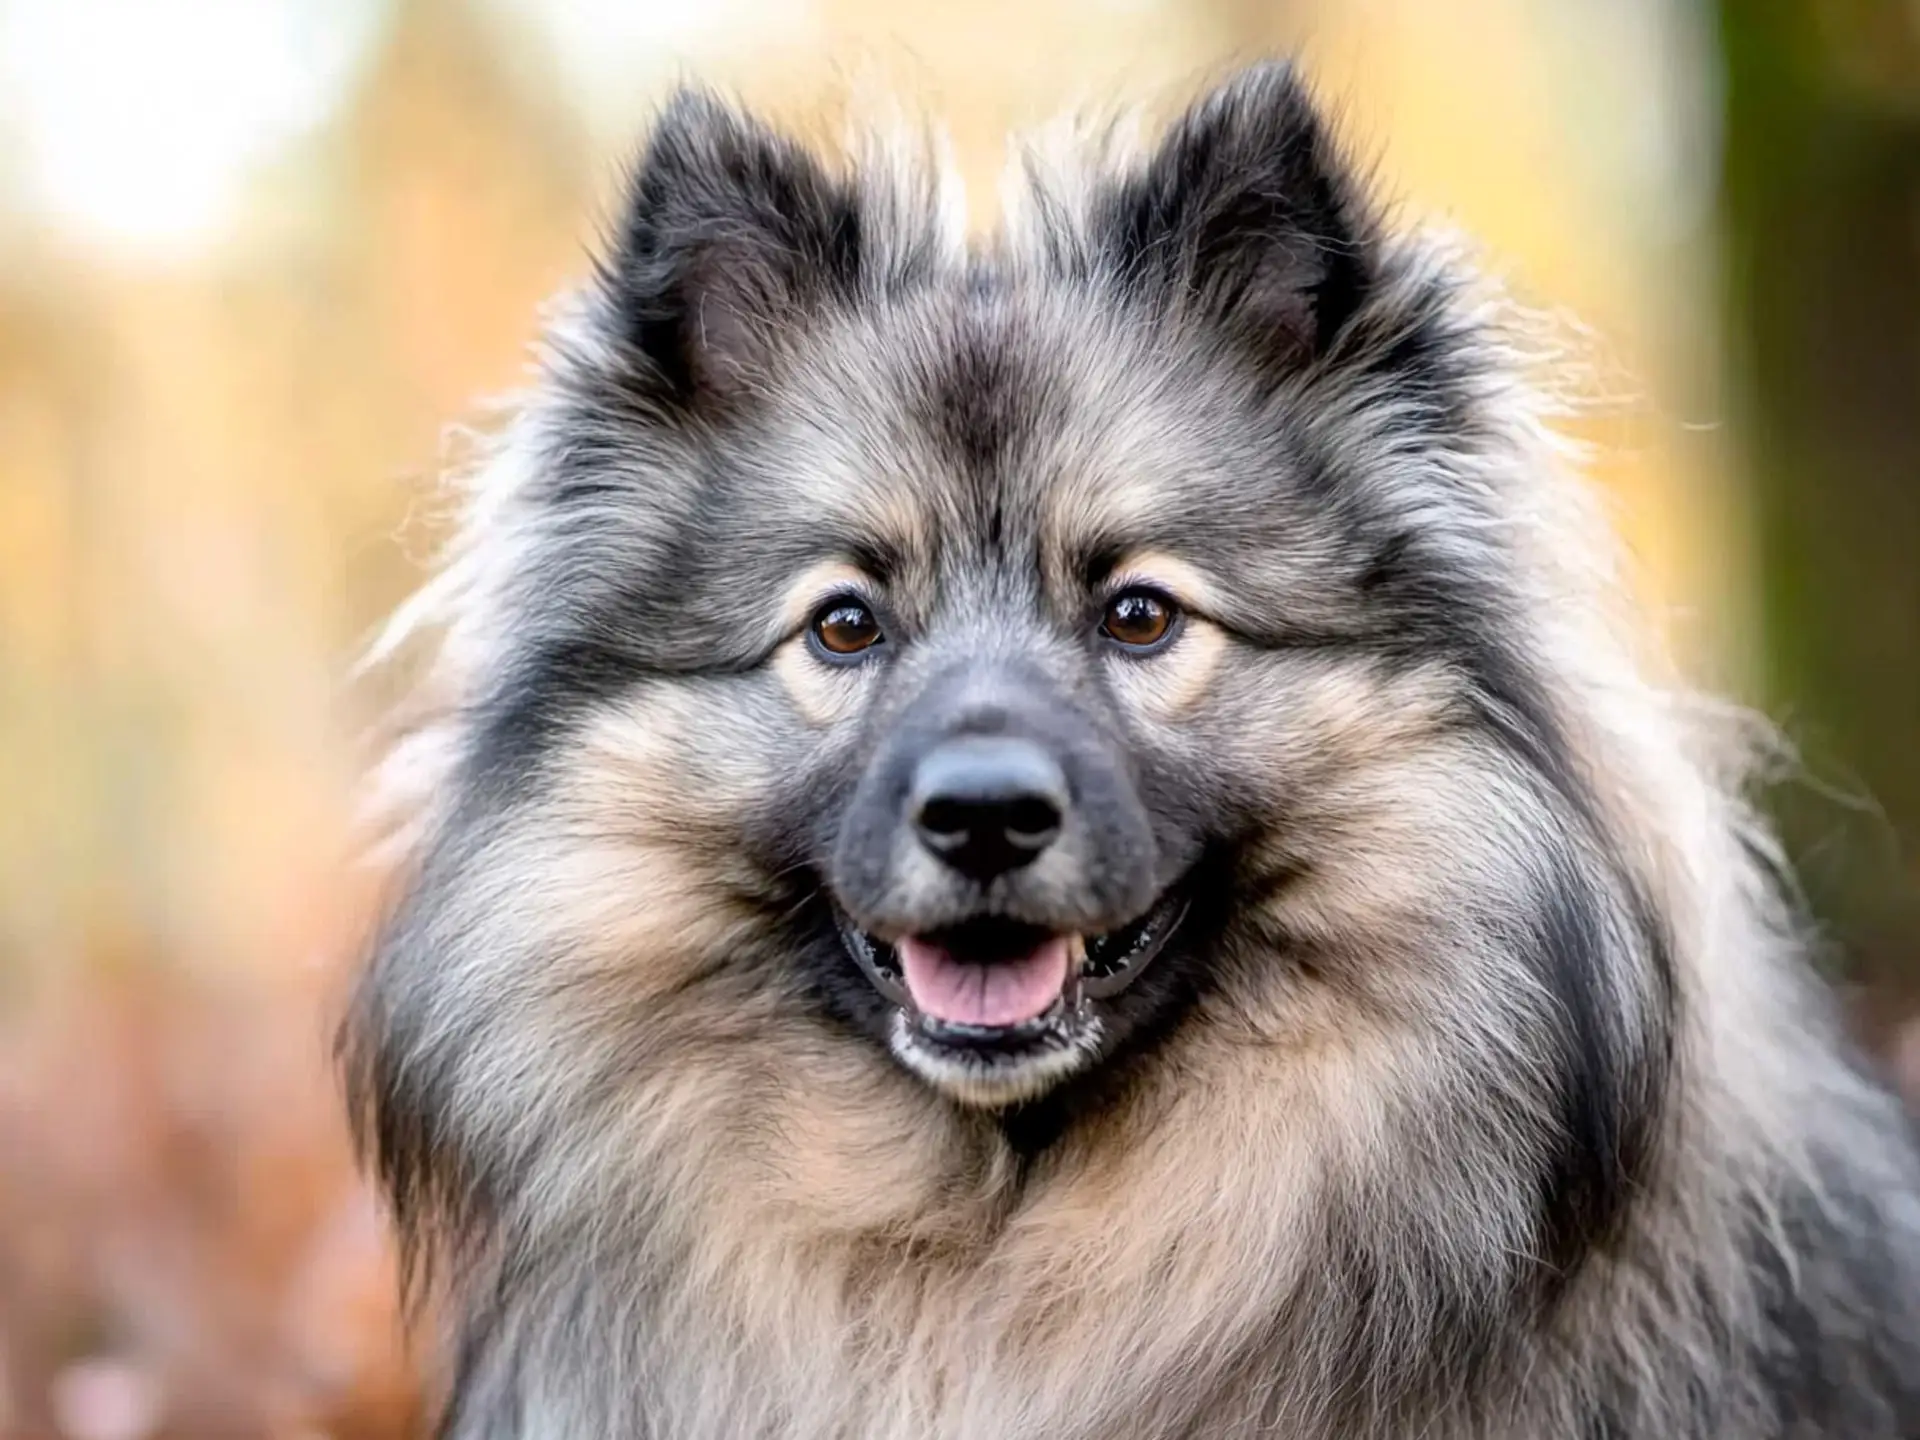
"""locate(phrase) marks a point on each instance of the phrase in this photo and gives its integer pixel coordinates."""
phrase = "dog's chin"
(995, 1012)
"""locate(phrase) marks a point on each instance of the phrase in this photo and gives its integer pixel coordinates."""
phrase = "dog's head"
(1006, 661)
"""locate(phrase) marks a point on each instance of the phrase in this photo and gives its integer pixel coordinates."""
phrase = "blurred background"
(258, 258)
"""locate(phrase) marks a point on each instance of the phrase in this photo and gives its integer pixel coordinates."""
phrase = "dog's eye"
(845, 627)
(1138, 619)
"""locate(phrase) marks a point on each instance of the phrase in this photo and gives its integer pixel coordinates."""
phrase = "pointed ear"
(732, 234)
(1246, 216)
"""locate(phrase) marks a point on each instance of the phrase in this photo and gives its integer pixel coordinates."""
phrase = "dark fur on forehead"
(1245, 215)
(731, 233)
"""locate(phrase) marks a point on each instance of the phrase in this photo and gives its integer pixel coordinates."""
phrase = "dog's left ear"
(1246, 216)
(734, 237)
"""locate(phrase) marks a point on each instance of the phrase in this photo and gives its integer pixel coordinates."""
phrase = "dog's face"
(1035, 610)
(999, 665)
(1030, 585)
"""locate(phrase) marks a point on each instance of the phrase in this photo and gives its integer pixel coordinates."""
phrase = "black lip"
(1044, 1032)
(1113, 962)
(876, 963)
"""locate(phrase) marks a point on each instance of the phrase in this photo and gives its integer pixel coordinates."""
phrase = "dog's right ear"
(731, 236)
(1246, 214)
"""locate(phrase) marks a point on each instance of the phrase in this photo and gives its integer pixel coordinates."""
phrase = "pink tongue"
(1002, 993)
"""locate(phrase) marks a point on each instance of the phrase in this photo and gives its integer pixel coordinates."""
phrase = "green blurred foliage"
(1821, 237)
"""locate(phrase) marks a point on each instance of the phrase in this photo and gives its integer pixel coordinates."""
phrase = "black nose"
(987, 804)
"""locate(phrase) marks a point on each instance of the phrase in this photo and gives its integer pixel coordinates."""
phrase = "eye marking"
(844, 629)
(1140, 619)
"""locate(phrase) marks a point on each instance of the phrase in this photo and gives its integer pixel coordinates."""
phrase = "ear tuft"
(1246, 214)
(732, 234)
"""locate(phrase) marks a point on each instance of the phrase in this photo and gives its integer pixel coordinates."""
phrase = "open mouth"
(995, 997)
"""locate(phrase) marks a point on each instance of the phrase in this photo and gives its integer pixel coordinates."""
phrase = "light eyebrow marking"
(1184, 582)
(814, 586)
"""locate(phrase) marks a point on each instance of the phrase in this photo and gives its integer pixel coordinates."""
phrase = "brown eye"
(1138, 619)
(845, 627)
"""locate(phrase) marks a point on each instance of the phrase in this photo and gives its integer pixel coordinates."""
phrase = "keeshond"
(1069, 836)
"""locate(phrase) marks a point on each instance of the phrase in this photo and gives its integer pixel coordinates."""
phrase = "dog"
(1071, 836)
